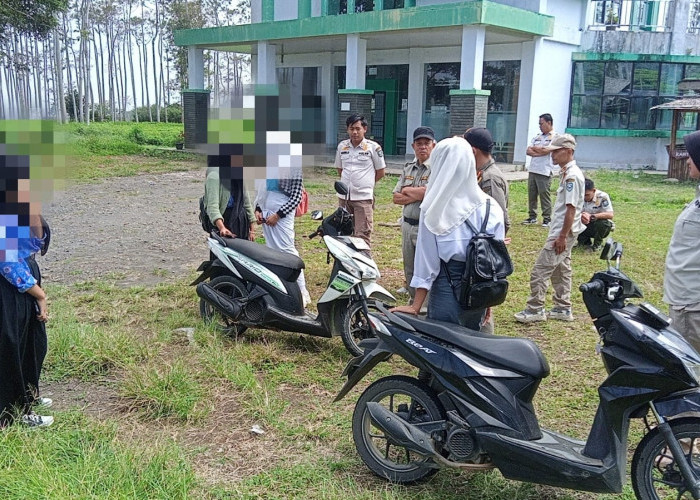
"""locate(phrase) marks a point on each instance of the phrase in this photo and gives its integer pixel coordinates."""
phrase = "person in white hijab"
(452, 197)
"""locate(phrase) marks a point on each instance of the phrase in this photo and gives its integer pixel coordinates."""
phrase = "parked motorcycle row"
(470, 405)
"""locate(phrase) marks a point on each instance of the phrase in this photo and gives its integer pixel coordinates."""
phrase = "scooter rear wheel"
(413, 401)
(233, 287)
(655, 473)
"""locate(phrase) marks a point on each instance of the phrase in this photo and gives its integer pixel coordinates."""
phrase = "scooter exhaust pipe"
(411, 437)
(219, 301)
(402, 433)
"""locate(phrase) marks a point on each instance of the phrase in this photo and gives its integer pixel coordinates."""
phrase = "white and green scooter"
(251, 285)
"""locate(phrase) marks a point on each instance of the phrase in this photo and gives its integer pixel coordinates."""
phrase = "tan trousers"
(687, 323)
(363, 212)
(555, 268)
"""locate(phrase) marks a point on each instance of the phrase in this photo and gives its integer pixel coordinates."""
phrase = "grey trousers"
(409, 236)
(687, 322)
(539, 185)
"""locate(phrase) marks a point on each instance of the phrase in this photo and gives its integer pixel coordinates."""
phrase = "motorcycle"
(247, 284)
(471, 405)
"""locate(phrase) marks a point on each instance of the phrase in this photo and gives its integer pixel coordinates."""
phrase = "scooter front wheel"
(355, 327)
(409, 399)
(655, 473)
(232, 287)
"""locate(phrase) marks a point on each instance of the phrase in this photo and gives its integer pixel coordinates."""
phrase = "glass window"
(393, 4)
(618, 78)
(641, 117)
(615, 112)
(439, 80)
(502, 78)
(588, 78)
(343, 6)
(585, 112)
(646, 79)
(671, 74)
(692, 70)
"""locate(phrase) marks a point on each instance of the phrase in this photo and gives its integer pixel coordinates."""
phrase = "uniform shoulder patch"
(569, 185)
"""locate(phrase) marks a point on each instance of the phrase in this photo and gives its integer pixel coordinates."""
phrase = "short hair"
(355, 118)
(589, 185)
(548, 118)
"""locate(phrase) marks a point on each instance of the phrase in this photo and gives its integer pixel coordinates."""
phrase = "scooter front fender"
(374, 290)
(678, 403)
(376, 351)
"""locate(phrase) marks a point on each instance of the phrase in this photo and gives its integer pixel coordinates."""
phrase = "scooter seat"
(284, 264)
(517, 354)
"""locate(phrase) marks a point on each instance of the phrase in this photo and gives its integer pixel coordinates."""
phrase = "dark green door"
(384, 109)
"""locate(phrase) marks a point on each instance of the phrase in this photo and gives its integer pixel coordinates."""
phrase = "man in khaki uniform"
(360, 164)
(409, 192)
(682, 274)
(491, 179)
(554, 260)
(541, 171)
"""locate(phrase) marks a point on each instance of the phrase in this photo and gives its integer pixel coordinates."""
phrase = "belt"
(410, 222)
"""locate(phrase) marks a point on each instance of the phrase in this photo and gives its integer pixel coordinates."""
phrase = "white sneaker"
(34, 420)
(45, 402)
(560, 314)
(530, 316)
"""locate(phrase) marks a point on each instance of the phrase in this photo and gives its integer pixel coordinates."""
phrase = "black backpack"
(484, 282)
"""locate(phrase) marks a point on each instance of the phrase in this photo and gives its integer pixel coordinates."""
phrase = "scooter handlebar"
(592, 286)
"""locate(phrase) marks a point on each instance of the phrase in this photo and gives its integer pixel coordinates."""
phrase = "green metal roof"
(475, 12)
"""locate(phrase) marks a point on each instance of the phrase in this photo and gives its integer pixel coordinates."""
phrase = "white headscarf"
(453, 192)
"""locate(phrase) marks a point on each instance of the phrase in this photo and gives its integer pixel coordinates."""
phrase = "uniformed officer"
(597, 216)
(409, 192)
(360, 164)
(554, 260)
(491, 179)
(541, 170)
(682, 276)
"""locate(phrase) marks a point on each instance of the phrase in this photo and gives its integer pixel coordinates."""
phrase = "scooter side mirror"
(608, 251)
(317, 215)
(340, 188)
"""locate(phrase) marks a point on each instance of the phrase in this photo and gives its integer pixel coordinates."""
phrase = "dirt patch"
(139, 230)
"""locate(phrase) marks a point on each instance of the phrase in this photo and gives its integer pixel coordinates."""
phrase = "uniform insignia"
(409, 177)
(569, 186)
(697, 203)
(380, 153)
(604, 204)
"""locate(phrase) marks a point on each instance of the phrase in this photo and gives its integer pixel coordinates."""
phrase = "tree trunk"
(59, 90)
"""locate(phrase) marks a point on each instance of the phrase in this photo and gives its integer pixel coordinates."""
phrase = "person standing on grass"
(541, 171)
(597, 216)
(360, 164)
(23, 305)
(682, 274)
(554, 260)
(409, 192)
(451, 198)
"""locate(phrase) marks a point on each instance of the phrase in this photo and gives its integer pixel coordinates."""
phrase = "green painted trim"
(409, 3)
(594, 56)
(356, 91)
(304, 9)
(607, 132)
(324, 7)
(482, 12)
(459, 92)
(266, 89)
(196, 91)
(378, 4)
(268, 10)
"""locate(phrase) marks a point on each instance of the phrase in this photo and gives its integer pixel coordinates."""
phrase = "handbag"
(303, 205)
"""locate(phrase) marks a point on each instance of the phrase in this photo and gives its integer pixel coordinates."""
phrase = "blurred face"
(545, 126)
(356, 132)
(588, 195)
(693, 170)
(423, 147)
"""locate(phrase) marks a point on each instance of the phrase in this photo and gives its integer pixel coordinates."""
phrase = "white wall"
(286, 9)
(617, 152)
(255, 11)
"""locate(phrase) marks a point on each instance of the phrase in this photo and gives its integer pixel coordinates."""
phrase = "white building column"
(530, 104)
(329, 95)
(472, 58)
(355, 61)
(416, 93)
(195, 67)
(266, 63)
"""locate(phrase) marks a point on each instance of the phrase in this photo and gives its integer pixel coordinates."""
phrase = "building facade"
(596, 66)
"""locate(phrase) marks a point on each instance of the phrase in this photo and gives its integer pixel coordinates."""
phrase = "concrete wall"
(618, 152)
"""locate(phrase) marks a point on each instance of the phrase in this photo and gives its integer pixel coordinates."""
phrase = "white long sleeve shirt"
(431, 248)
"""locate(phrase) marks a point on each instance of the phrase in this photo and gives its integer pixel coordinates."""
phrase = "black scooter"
(471, 405)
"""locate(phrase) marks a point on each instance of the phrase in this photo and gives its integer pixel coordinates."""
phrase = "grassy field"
(170, 410)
